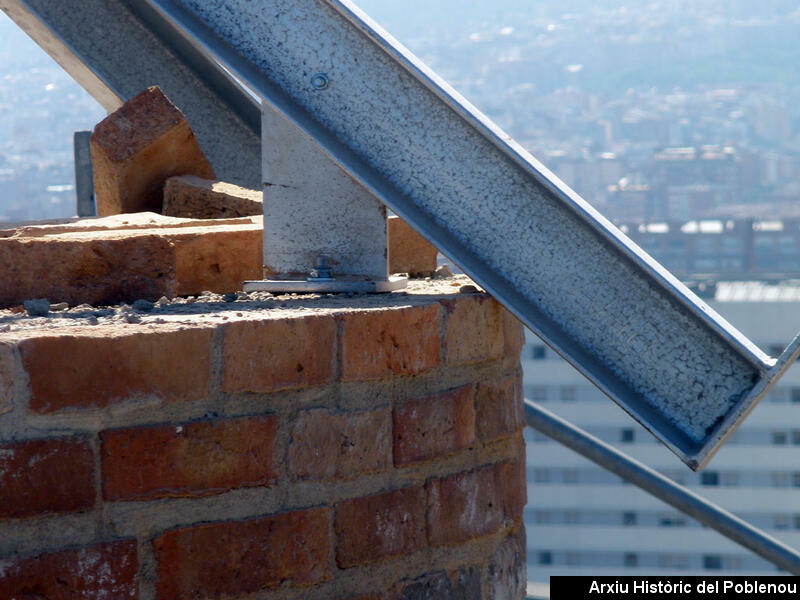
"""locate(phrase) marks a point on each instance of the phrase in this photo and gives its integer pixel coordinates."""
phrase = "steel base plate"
(325, 286)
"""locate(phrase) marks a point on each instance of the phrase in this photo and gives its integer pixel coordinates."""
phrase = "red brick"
(377, 527)
(382, 343)
(277, 354)
(464, 506)
(498, 408)
(512, 486)
(194, 459)
(326, 445)
(231, 558)
(513, 334)
(435, 426)
(43, 476)
(473, 329)
(409, 252)
(108, 366)
(98, 268)
(193, 197)
(136, 148)
(106, 570)
(217, 259)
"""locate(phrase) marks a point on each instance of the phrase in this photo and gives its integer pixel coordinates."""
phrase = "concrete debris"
(39, 307)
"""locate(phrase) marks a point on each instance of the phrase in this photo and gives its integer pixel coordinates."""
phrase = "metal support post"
(84, 177)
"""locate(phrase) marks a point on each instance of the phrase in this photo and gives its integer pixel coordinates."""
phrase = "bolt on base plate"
(324, 286)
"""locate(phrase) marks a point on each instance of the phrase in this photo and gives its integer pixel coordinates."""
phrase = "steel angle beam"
(596, 298)
(117, 48)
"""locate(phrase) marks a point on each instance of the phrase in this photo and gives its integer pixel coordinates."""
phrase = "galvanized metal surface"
(117, 48)
(338, 285)
(686, 501)
(84, 178)
(575, 280)
(316, 211)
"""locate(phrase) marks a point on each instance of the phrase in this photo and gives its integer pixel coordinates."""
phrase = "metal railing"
(663, 488)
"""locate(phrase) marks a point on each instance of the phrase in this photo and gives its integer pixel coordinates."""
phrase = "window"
(782, 521)
(797, 521)
(629, 518)
(778, 438)
(673, 561)
(730, 478)
(572, 559)
(543, 516)
(545, 558)
(570, 476)
(672, 520)
(541, 475)
(709, 478)
(795, 395)
(712, 561)
(568, 393)
(571, 517)
(630, 559)
(627, 435)
(780, 479)
(537, 393)
(795, 479)
(538, 352)
(796, 437)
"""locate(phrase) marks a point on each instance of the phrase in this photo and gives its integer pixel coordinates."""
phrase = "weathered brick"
(231, 558)
(512, 484)
(193, 197)
(463, 506)
(193, 459)
(464, 584)
(217, 259)
(374, 528)
(473, 329)
(409, 252)
(109, 365)
(326, 445)
(44, 476)
(276, 354)
(513, 334)
(7, 378)
(382, 343)
(98, 268)
(506, 573)
(124, 258)
(431, 427)
(136, 148)
(106, 570)
(498, 408)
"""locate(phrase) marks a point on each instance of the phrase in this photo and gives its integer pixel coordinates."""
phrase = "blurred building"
(583, 520)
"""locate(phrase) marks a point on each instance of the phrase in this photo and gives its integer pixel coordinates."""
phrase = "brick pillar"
(336, 448)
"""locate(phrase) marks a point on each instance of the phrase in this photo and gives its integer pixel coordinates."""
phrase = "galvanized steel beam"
(572, 277)
(116, 48)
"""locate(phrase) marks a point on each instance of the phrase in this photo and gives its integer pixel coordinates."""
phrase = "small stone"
(190, 300)
(229, 297)
(162, 301)
(132, 318)
(5, 328)
(242, 296)
(38, 307)
(468, 289)
(103, 312)
(82, 307)
(93, 320)
(17, 309)
(143, 306)
(59, 307)
(443, 272)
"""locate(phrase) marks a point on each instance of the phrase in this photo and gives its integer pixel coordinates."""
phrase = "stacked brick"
(302, 452)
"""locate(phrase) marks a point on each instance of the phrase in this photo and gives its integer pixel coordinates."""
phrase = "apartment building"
(582, 519)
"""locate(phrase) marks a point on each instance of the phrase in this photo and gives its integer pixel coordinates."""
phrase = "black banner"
(672, 588)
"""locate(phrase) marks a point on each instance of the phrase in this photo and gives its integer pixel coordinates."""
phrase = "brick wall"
(338, 449)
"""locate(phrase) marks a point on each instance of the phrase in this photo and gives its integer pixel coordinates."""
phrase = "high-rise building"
(581, 519)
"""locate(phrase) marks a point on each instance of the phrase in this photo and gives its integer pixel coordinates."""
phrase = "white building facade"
(583, 520)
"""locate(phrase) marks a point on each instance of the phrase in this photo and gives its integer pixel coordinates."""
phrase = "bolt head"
(319, 81)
